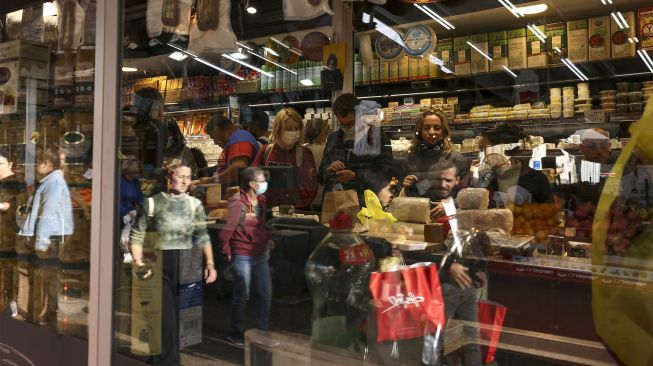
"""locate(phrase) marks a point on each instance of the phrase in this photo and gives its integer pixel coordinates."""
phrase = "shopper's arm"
(210, 274)
(230, 175)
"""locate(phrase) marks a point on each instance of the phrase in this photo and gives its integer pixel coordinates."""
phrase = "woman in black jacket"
(431, 146)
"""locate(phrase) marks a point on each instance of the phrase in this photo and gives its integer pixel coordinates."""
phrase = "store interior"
(563, 68)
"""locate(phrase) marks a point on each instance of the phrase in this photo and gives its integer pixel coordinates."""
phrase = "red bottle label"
(356, 255)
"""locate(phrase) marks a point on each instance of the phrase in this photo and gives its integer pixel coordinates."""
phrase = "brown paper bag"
(334, 202)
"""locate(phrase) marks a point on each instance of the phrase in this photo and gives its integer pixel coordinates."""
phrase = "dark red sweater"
(247, 237)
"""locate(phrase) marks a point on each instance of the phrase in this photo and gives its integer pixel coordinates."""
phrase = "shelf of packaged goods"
(195, 110)
(554, 75)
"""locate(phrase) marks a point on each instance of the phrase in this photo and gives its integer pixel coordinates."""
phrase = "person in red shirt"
(284, 149)
(239, 148)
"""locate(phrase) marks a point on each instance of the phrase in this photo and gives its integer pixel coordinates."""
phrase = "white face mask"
(289, 137)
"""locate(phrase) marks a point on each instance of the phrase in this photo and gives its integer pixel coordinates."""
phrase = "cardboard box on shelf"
(498, 47)
(536, 50)
(577, 40)
(645, 28)
(445, 53)
(556, 37)
(599, 38)
(480, 64)
(462, 56)
(517, 58)
(621, 46)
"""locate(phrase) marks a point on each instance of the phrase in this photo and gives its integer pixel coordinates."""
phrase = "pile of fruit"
(87, 195)
(537, 219)
(581, 220)
(625, 225)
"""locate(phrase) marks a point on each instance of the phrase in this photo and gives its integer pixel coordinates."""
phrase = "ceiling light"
(435, 16)
(511, 7)
(606, 2)
(129, 69)
(537, 32)
(306, 82)
(49, 9)
(178, 56)
(229, 57)
(384, 29)
(475, 47)
(244, 46)
(646, 58)
(512, 73)
(272, 62)
(532, 9)
(250, 7)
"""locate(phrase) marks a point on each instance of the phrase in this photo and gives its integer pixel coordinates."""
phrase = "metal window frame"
(105, 188)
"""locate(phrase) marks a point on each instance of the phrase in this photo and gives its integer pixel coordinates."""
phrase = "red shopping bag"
(408, 302)
(490, 320)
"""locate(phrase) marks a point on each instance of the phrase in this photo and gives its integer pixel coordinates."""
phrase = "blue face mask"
(262, 188)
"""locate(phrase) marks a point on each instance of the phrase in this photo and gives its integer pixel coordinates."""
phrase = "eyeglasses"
(260, 181)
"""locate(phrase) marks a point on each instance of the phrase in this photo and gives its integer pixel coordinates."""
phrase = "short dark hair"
(249, 174)
(445, 164)
(345, 104)
(314, 128)
(199, 157)
(49, 154)
(145, 99)
(260, 120)
(217, 121)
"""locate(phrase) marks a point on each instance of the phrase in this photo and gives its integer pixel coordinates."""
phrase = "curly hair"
(345, 104)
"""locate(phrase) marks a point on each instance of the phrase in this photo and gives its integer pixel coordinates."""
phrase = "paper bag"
(334, 202)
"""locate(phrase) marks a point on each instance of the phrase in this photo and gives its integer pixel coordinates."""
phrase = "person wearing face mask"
(285, 150)
(340, 164)
(431, 148)
(10, 189)
(246, 243)
(180, 222)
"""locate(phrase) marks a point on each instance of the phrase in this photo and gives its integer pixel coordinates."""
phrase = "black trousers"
(169, 311)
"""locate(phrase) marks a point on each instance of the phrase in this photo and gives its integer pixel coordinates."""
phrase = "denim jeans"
(246, 268)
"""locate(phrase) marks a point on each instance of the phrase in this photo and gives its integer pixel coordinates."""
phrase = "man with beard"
(442, 179)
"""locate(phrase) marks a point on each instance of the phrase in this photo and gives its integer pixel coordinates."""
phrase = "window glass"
(47, 58)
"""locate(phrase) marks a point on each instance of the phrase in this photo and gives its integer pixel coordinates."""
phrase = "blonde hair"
(446, 131)
(282, 115)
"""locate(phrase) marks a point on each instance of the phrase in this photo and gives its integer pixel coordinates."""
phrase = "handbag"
(408, 302)
(490, 319)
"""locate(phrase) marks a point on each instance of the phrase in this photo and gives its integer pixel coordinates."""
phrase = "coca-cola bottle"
(338, 274)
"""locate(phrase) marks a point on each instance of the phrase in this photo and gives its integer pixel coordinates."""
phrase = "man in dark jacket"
(340, 163)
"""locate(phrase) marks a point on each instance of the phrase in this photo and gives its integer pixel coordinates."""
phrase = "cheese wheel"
(411, 209)
(485, 220)
(473, 199)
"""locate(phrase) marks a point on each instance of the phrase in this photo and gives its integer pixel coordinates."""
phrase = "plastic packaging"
(338, 273)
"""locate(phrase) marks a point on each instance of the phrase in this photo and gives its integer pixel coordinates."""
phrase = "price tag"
(595, 116)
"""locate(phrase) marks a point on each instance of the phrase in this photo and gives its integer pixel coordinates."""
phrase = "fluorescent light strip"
(537, 32)
(578, 70)
(438, 18)
(229, 57)
(245, 46)
(272, 62)
(558, 49)
(432, 17)
(646, 58)
(291, 49)
(479, 51)
(512, 73)
(621, 16)
(291, 103)
(445, 69)
(209, 64)
(618, 21)
(511, 7)
(182, 50)
(271, 51)
(384, 29)
(573, 69)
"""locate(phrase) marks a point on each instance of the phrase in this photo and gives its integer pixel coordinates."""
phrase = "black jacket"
(421, 165)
